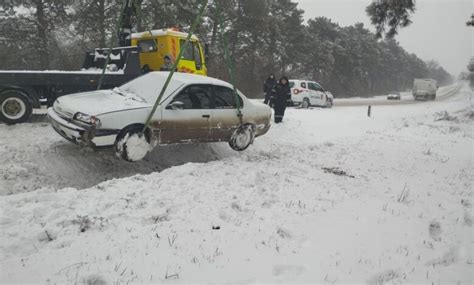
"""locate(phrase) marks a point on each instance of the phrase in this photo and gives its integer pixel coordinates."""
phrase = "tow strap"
(176, 64)
(230, 65)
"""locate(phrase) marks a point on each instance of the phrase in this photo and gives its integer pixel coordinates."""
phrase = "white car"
(394, 96)
(194, 108)
(310, 93)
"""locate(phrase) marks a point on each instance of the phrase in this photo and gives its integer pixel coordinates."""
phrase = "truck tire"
(15, 107)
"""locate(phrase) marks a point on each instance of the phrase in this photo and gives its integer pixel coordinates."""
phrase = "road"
(443, 94)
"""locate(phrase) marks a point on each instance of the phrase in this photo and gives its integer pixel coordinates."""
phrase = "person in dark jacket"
(281, 95)
(168, 64)
(268, 85)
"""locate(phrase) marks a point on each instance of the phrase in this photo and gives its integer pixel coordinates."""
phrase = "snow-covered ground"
(329, 196)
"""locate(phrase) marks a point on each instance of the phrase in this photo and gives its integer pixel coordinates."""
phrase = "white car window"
(315, 86)
(320, 88)
(312, 86)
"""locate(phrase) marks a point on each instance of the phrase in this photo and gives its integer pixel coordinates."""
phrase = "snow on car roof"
(187, 78)
(148, 86)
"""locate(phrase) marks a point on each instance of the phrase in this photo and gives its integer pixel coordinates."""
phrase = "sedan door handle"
(206, 116)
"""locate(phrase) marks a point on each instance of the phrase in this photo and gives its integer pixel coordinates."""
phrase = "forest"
(266, 36)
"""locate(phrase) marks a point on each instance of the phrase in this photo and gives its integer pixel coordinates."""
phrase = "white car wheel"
(329, 103)
(242, 138)
(305, 104)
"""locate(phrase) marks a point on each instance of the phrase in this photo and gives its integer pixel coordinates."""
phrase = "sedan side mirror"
(176, 105)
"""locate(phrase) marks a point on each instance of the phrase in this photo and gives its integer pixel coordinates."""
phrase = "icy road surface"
(443, 93)
(329, 196)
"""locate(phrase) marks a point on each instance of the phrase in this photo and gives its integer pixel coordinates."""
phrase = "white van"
(424, 88)
(309, 93)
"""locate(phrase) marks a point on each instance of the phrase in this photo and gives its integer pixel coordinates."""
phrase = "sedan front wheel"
(132, 145)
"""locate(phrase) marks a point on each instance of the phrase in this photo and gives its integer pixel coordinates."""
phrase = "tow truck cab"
(154, 45)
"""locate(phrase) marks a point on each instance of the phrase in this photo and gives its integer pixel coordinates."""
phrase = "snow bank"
(398, 209)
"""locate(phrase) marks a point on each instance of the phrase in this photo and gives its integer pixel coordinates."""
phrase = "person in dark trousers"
(281, 95)
(268, 86)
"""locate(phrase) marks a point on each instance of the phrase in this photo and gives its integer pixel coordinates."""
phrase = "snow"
(112, 56)
(162, 32)
(329, 196)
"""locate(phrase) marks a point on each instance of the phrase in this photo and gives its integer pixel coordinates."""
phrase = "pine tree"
(391, 15)
(33, 20)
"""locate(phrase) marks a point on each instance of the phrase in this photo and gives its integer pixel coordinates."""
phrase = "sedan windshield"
(148, 86)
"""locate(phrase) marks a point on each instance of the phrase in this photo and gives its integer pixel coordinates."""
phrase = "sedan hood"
(99, 102)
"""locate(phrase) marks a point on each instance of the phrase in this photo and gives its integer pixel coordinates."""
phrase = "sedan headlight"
(88, 119)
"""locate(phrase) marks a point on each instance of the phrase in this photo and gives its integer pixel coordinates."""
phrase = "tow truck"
(138, 53)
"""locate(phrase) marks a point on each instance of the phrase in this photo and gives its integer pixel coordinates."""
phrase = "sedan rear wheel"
(242, 138)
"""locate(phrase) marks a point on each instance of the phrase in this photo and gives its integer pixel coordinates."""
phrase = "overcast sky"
(438, 30)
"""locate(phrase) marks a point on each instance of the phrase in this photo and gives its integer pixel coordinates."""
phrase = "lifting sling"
(196, 22)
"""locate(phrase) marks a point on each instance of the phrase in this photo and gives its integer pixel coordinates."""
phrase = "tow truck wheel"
(242, 138)
(15, 107)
